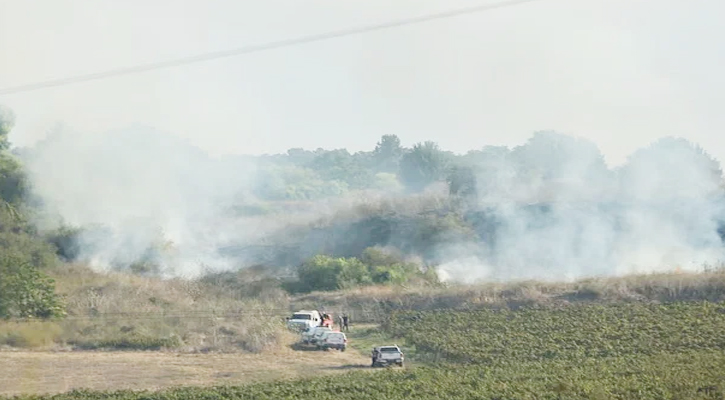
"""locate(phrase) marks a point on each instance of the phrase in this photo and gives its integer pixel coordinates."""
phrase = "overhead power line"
(258, 48)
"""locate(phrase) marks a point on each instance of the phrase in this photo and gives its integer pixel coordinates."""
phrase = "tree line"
(548, 166)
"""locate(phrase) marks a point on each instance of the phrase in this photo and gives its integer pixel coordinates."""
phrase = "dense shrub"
(25, 292)
(323, 272)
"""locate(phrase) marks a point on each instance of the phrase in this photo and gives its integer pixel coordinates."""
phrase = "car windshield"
(301, 316)
(389, 349)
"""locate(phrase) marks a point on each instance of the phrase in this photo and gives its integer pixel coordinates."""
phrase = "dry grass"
(114, 310)
(369, 304)
(35, 334)
(55, 372)
(124, 311)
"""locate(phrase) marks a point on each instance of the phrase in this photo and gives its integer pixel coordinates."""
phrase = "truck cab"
(304, 320)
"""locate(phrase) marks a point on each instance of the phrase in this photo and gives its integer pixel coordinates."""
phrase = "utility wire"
(258, 48)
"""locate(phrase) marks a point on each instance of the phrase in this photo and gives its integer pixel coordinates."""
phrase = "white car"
(333, 340)
(319, 334)
(312, 335)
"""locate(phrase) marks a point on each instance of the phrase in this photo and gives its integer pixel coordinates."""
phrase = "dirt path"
(54, 372)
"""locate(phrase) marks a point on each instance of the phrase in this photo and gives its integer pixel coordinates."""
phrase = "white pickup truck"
(386, 355)
(303, 320)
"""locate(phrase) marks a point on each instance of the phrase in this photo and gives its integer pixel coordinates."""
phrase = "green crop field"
(621, 351)
(572, 334)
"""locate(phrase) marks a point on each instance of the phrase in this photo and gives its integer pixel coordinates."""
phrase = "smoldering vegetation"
(548, 209)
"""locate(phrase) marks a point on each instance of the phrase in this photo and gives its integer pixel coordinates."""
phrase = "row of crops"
(573, 333)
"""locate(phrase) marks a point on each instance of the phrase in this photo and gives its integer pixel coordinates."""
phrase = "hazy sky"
(621, 73)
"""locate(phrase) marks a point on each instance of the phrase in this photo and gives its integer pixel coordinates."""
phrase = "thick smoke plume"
(560, 213)
(548, 209)
(143, 190)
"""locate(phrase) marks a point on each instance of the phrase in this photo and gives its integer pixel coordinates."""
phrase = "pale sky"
(619, 72)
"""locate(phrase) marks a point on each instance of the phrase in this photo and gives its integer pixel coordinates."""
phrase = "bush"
(29, 334)
(19, 239)
(130, 341)
(323, 272)
(65, 239)
(327, 273)
(25, 292)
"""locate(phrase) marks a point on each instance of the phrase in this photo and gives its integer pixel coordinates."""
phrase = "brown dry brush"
(121, 311)
(373, 304)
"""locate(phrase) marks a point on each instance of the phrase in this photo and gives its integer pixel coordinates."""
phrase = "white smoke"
(145, 189)
(561, 214)
(553, 207)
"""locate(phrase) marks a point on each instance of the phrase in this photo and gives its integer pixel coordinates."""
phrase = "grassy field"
(684, 376)
(373, 303)
(586, 351)
(364, 337)
(123, 311)
(43, 372)
(48, 372)
(577, 333)
(126, 312)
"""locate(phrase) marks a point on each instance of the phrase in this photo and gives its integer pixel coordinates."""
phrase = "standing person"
(340, 321)
(345, 322)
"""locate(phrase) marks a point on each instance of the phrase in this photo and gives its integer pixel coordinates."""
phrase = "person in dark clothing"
(346, 322)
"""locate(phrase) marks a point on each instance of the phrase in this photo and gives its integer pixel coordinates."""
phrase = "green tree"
(424, 164)
(670, 167)
(19, 240)
(13, 182)
(65, 239)
(495, 171)
(387, 182)
(295, 183)
(552, 156)
(486, 157)
(387, 153)
(340, 165)
(388, 267)
(300, 157)
(375, 266)
(462, 181)
(7, 121)
(323, 272)
(378, 256)
(25, 292)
